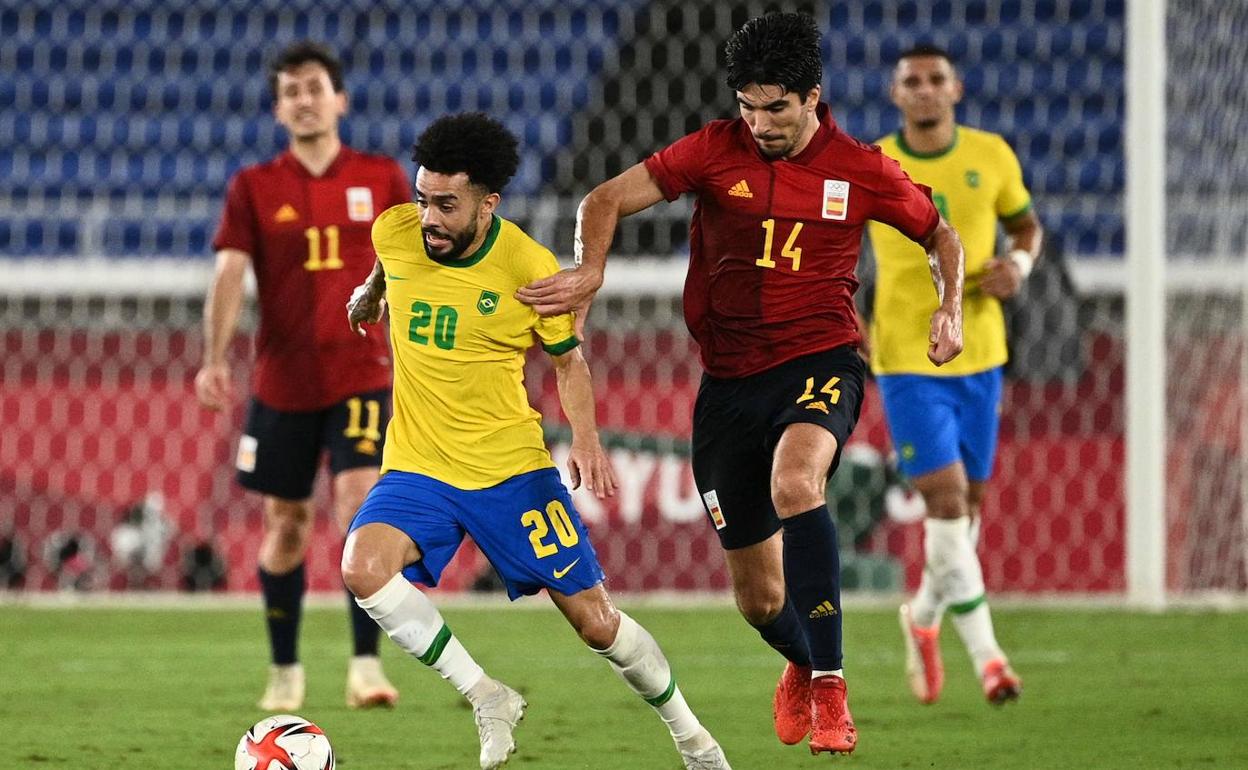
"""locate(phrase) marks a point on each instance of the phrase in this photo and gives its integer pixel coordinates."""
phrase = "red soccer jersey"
(310, 244)
(774, 243)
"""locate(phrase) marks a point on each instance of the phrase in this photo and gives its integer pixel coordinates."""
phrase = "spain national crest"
(488, 302)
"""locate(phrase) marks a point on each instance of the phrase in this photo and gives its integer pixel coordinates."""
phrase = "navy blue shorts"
(738, 422)
(279, 452)
(526, 526)
(937, 421)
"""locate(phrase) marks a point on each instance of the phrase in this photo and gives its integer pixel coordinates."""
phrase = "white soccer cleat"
(496, 717)
(367, 685)
(284, 692)
(704, 753)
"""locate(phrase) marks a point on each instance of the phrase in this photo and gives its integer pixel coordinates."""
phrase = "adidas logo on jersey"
(286, 213)
(825, 610)
(740, 190)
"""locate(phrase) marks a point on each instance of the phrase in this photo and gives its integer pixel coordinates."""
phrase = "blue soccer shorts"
(526, 526)
(937, 421)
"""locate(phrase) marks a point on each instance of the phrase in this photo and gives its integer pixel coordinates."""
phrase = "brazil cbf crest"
(487, 303)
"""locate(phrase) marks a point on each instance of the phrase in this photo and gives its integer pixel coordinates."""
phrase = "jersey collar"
(288, 158)
(906, 149)
(496, 224)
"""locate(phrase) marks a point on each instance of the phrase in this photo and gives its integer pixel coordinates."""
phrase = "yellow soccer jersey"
(975, 183)
(459, 335)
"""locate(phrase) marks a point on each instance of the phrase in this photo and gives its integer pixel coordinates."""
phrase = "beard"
(459, 243)
(927, 124)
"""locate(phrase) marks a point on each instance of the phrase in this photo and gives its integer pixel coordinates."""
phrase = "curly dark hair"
(297, 54)
(471, 142)
(776, 49)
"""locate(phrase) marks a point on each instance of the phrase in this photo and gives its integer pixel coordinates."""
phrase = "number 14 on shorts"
(812, 400)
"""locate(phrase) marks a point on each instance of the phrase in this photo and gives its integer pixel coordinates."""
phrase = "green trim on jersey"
(496, 224)
(1025, 208)
(901, 145)
(559, 348)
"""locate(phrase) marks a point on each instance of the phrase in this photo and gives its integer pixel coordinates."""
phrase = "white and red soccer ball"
(284, 742)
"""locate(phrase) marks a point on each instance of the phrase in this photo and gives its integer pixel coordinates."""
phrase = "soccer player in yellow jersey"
(944, 421)
(464, 450)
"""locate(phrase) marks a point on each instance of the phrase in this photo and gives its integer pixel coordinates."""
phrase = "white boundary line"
(171, 600)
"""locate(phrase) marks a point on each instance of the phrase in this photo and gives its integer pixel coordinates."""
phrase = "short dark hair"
(472, 143)
(926, 49)
(778, 48)
(297, 54)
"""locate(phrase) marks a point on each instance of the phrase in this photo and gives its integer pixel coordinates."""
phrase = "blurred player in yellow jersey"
(464, 450)
(944, 421)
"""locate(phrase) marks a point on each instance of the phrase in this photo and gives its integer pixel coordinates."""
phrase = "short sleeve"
(556, 333)
(902, 203)
(678, 168)
(1013, 199)
(400, 187)
(237, 229)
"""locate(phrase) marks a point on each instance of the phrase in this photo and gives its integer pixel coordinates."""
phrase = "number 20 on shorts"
(555, 518)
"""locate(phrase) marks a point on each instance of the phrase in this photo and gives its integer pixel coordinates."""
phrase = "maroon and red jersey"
(310, 241)
(774, 243)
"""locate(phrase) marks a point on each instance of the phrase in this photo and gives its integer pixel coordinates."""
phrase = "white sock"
(816, 673)
(955, 567)
(410, 619)
(636, 657)
(926, 606)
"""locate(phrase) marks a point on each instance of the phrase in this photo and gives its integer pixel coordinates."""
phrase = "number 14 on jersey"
(791, 250)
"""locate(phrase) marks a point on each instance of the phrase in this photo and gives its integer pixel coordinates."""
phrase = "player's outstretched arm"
(947, 262)
(368, 300)
(587, 462)
(1005, 275)
(213, 387)
(573, 290)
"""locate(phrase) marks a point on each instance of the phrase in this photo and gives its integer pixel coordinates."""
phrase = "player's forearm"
(221, 310)
(1025, 234)
(596, 219)
(948, 265)
(375, 284)
(576, 395)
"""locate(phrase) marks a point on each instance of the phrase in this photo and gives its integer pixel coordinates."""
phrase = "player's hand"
(364, 307)
(213, 386)
(946, 336)
(1001, 279)
(588, 463)
(566, 291)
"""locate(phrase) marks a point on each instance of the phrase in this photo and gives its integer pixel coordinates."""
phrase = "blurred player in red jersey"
(303, 221)
(782, 196)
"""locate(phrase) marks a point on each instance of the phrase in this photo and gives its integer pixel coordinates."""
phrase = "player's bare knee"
(760, 605)
(946, 503)
(363, 576)
(596, 623)
(795, 491)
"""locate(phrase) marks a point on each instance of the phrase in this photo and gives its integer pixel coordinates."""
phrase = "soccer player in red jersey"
(303, 221)
(782, 196)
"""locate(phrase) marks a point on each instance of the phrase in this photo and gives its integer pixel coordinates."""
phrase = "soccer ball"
(284, 742)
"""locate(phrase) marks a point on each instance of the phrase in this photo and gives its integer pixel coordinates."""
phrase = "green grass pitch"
(134, 688)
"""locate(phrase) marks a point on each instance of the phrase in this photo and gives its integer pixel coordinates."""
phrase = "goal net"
(111, 475)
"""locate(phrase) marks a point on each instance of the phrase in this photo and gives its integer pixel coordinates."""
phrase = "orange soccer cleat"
(1001, 684)
(832, 727)
(924, 668)
(790, 708)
